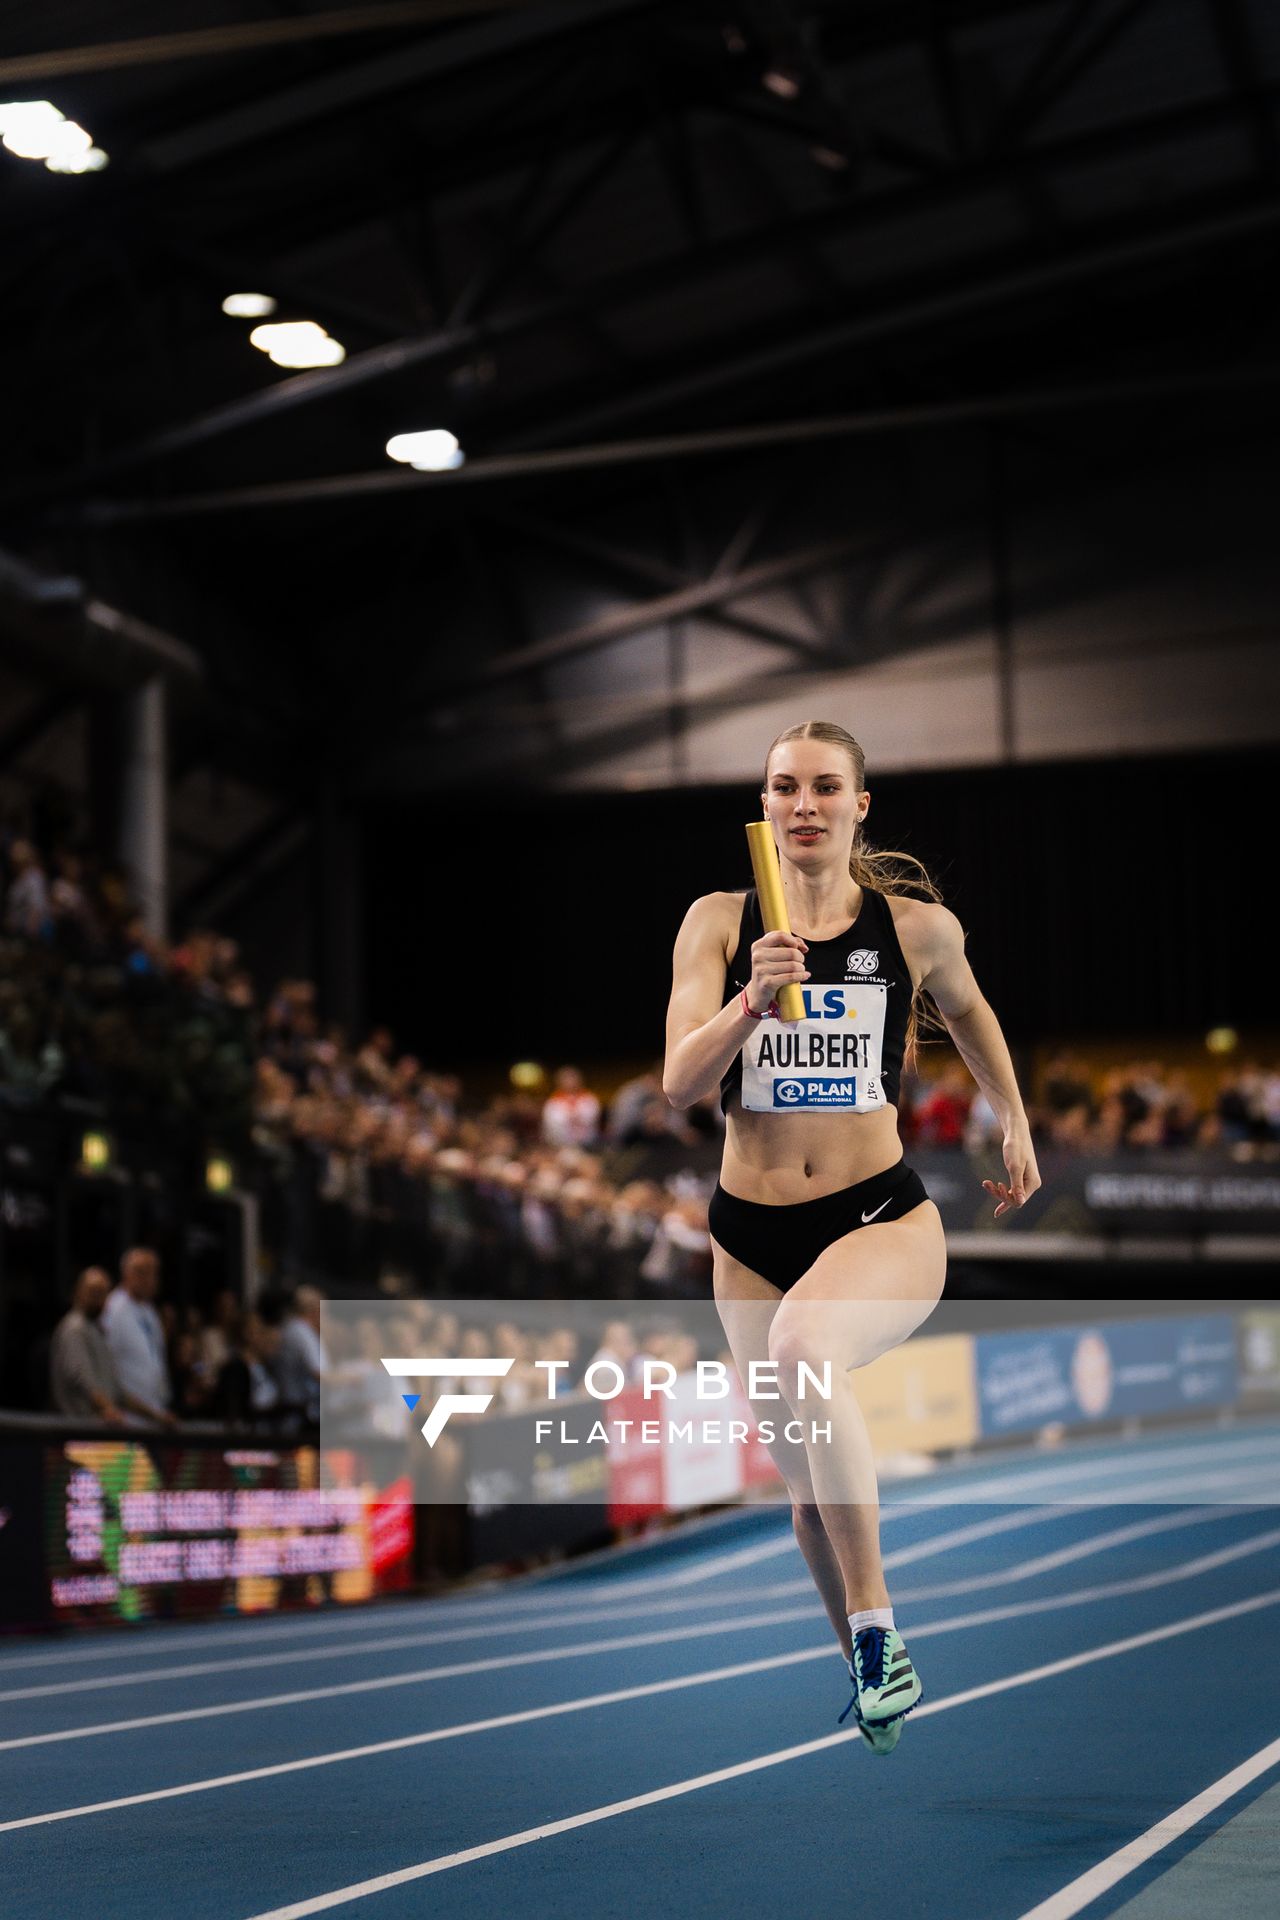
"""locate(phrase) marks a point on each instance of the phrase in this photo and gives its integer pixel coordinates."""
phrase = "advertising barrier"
(1259, 1355)
(1149, 1192)
(921, 1397)
(1111, 1370)
(531, 1491)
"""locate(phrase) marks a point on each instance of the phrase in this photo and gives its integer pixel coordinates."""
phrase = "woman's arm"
(703, 1035)
(973, 1027)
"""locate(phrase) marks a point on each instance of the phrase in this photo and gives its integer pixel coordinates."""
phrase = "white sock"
(871, 1617)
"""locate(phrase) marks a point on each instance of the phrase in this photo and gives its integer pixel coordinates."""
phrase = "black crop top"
(845, 1056)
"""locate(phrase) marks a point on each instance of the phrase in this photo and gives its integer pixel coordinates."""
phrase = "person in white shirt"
(136, 1337)
(300, 1361)
(571, 1116)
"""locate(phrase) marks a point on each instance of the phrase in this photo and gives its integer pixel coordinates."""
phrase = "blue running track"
(654, 1731)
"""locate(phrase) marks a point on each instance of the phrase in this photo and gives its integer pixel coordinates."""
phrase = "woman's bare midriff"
(779, 1158)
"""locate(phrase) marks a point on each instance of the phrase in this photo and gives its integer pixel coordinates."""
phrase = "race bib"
(830, 1059)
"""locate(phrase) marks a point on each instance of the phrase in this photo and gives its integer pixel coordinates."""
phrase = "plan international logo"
(711, 1377)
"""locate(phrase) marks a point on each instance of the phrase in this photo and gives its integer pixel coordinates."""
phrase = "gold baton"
(773, 905)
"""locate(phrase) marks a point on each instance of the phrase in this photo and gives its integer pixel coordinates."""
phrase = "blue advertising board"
(1109, 1371)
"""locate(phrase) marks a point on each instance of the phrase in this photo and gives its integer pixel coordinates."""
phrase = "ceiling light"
(248, 306)
(26, 127)
(433, 451)
(782, 81)
(92, 160)
(297, 343)
(37, 130)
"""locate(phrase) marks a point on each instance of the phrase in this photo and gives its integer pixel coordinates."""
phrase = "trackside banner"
(1105, 1371)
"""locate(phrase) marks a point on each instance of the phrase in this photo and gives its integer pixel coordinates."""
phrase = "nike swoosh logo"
(879, 1209)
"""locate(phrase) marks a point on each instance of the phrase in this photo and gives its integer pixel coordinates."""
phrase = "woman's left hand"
(1020, 1165)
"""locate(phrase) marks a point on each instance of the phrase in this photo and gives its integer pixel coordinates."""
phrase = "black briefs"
(782, 1243)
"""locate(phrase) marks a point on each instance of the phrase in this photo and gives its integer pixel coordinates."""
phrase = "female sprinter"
(826, 1247)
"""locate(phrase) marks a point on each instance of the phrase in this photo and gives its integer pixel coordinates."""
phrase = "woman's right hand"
(777, 960)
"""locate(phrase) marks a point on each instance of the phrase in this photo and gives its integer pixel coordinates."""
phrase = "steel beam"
(658, 573)
(783, 235)
(245, 36)
(624, 453)
(651, 613)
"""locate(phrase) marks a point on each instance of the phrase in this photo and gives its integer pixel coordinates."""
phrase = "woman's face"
(811, 787)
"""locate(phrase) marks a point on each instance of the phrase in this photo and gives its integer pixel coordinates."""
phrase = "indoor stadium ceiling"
(722, 302)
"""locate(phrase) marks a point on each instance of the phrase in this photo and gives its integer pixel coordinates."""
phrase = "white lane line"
(504, 1662)
(974, 1530)
(930, 1629)
(394, 1643)
(381, 1883)
(1095, 1543)
(494, 1595)
(1082, 1892)
(704, 1678)
(1086, 1468)
(1078, 1550)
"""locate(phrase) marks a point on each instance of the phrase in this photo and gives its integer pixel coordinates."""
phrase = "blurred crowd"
(94, 1008)
(367, 1161)
(1136, 1105)
(124, 1355)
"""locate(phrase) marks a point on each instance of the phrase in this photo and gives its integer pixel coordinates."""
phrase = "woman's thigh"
(867, 1291)
(747, 1304)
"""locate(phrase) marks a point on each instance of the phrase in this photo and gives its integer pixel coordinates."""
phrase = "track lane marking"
(1097, 1880)
(381, 1883)
(495, 1595)
(1188, 1570)
(146, 1676)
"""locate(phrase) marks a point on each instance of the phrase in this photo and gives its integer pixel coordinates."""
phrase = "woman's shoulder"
(923, 927)
(726, 907)
(714, 917)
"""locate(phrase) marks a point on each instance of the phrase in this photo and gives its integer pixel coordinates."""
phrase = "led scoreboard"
(129, 1530)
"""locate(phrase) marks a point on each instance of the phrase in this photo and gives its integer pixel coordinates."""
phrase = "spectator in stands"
(571, 1116)
(618, 1344)
(246, 1390)
(679, 1258)
(374, 1060)
(983, 1128)
(943, 1110)
(1065, 1088)
(75, 924)
(135, 1334)
(300, 1361)
(217, 1336)
(26, 907)
(629, 1102)
(82, 1376)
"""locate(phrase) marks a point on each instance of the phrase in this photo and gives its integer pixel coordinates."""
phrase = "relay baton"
(773, 905)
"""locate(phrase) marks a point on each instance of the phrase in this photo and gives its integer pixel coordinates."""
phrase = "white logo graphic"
(875, 1211)
(862, 960)
(436, 1368)
(790, 1090)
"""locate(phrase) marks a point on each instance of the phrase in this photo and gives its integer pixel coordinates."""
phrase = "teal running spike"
(879, 1739)
(886, 1685)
